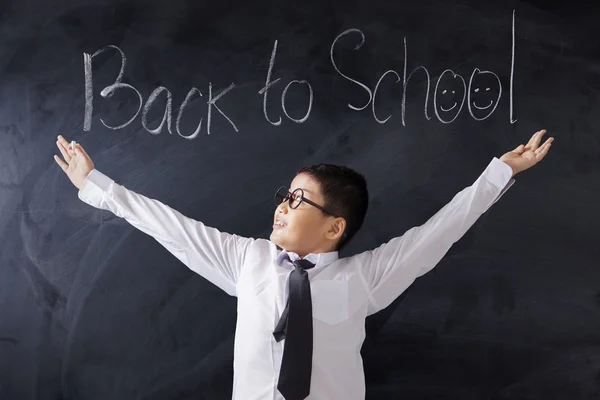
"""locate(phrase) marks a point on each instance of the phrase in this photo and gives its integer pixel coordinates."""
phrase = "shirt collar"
(319, 259)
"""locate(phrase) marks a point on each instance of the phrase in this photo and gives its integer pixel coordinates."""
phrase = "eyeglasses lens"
(283, 194)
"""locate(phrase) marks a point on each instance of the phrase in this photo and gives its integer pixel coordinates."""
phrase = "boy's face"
(307, 229)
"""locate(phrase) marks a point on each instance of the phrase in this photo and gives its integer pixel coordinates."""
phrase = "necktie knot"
(302, 263)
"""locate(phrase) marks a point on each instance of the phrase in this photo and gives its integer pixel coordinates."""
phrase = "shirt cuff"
(499, 174)
(93, 187)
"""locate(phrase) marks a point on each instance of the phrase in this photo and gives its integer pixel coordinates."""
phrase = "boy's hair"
(345, 194)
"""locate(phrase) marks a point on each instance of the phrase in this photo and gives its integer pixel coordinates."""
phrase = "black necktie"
(295, 325)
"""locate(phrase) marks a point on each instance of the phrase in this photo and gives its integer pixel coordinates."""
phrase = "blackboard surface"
(91, 308)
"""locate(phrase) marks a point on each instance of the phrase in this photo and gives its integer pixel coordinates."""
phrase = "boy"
(301, 309)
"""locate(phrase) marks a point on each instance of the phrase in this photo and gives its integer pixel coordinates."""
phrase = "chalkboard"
(211, 106)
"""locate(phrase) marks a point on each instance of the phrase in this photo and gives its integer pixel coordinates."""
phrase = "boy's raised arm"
(392, 267)
(215, 255)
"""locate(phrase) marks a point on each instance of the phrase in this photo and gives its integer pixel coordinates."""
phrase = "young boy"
(301, 309)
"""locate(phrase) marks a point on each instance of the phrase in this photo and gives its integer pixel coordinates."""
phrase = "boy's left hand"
(526, 156)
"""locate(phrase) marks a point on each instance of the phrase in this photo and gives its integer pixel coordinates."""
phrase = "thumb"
(519, 149)
(75, 154)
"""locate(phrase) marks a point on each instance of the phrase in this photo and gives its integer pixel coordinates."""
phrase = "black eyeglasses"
(295, 198)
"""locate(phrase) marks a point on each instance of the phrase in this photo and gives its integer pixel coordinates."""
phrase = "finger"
(531, 145)
(68, 145)
(63, 165)
(519, 149)
(528, 145)
(64, 151)
(64, 142)
(80, 148)
(544, 150)
(77, 152)
(539, 156)
(546, 144)
(537, 138)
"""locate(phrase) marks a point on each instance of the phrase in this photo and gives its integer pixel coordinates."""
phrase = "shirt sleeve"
(215, 255)
(392, 267)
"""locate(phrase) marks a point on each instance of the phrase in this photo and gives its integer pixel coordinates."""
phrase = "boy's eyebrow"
(305, 190)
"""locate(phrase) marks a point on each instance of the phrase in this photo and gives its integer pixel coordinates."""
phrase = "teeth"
(279, 223)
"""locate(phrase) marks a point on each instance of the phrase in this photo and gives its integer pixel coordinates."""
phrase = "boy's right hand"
(77, 164)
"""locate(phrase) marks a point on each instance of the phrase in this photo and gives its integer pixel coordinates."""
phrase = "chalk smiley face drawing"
(481, 96)
(454, 86)
(453, 105)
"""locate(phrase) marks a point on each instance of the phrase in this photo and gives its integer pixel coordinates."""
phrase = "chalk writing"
(358, 46)
(492, 102)
(310, 100)
(459, 90)
(512, 69)
(269, 84)
(188, 97)
(447, 110)
(167, 114)
(482, 93)
(108, 91)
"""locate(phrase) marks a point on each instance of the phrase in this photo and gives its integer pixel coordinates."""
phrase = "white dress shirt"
(344, 291)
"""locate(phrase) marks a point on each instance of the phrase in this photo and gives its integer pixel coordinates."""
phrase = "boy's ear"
(337, 228)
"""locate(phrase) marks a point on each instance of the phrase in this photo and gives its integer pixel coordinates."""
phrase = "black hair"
(345, 194)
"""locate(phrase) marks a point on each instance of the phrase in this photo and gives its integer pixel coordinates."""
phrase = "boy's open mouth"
(279, 224)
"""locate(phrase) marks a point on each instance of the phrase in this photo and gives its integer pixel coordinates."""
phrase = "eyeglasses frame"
(288, 198)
